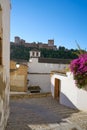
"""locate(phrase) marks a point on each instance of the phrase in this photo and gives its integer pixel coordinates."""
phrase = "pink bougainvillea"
(79, 69)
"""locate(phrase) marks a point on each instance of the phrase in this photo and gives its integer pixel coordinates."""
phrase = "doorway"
(57, 89)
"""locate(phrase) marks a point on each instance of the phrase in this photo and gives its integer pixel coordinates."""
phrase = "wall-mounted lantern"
(17, 65)
(30, 60)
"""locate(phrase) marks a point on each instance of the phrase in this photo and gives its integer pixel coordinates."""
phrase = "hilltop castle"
(49, 45)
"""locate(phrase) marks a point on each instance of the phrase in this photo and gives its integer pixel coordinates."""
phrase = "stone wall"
(4, 100)
(5, 60)
(18, 77)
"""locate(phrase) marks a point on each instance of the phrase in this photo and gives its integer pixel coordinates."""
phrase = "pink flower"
(79, 69)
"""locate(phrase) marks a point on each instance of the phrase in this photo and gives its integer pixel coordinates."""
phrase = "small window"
(36, 53)
(33, 53)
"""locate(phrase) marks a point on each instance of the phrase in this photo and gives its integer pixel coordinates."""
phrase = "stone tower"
(35, 54)
(51, 42)
(17, 40)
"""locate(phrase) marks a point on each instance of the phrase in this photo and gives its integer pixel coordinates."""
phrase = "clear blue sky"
(39, 20)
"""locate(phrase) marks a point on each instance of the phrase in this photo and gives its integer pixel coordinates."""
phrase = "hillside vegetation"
(22, 52)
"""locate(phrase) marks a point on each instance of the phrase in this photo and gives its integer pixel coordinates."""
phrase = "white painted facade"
(70, 95)
(42, 80)
(34, 53)
(4, 61)
(39, 73)
(37, 67)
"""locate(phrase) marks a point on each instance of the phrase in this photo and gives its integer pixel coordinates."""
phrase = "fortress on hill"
(49, 45)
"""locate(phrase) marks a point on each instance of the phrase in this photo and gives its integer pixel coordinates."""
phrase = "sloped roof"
(54, 60)
(34, 49)
(19, 60)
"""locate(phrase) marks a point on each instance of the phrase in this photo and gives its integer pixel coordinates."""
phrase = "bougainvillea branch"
(79, 69)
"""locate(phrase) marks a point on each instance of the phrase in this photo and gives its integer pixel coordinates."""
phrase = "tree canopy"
(22, 52)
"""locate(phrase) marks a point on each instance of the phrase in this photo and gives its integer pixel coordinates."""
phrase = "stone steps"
(28, 95)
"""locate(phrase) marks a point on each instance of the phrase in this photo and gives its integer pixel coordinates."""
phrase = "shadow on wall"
(66, 101)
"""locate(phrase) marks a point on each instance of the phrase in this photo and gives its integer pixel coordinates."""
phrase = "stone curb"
(28, 95)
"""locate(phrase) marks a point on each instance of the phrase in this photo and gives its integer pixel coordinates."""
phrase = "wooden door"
(57, 89)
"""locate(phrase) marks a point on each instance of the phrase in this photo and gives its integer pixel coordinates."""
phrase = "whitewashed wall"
(37, 67)
(70, 95)
(42, 78)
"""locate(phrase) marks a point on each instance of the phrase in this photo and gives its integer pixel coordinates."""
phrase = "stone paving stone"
(80, 119)
(42, 114)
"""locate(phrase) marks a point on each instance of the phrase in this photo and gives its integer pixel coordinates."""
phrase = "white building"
(4, 61)
(64, 89)
(39, 70)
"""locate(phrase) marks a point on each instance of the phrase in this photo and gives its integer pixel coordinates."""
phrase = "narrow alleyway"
(40, 114)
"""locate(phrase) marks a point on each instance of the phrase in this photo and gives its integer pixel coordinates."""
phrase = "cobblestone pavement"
(44, 114)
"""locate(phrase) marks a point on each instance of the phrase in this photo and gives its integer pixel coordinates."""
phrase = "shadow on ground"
(46, 110)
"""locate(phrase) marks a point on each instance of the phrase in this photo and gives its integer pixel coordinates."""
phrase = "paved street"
(44, 114)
